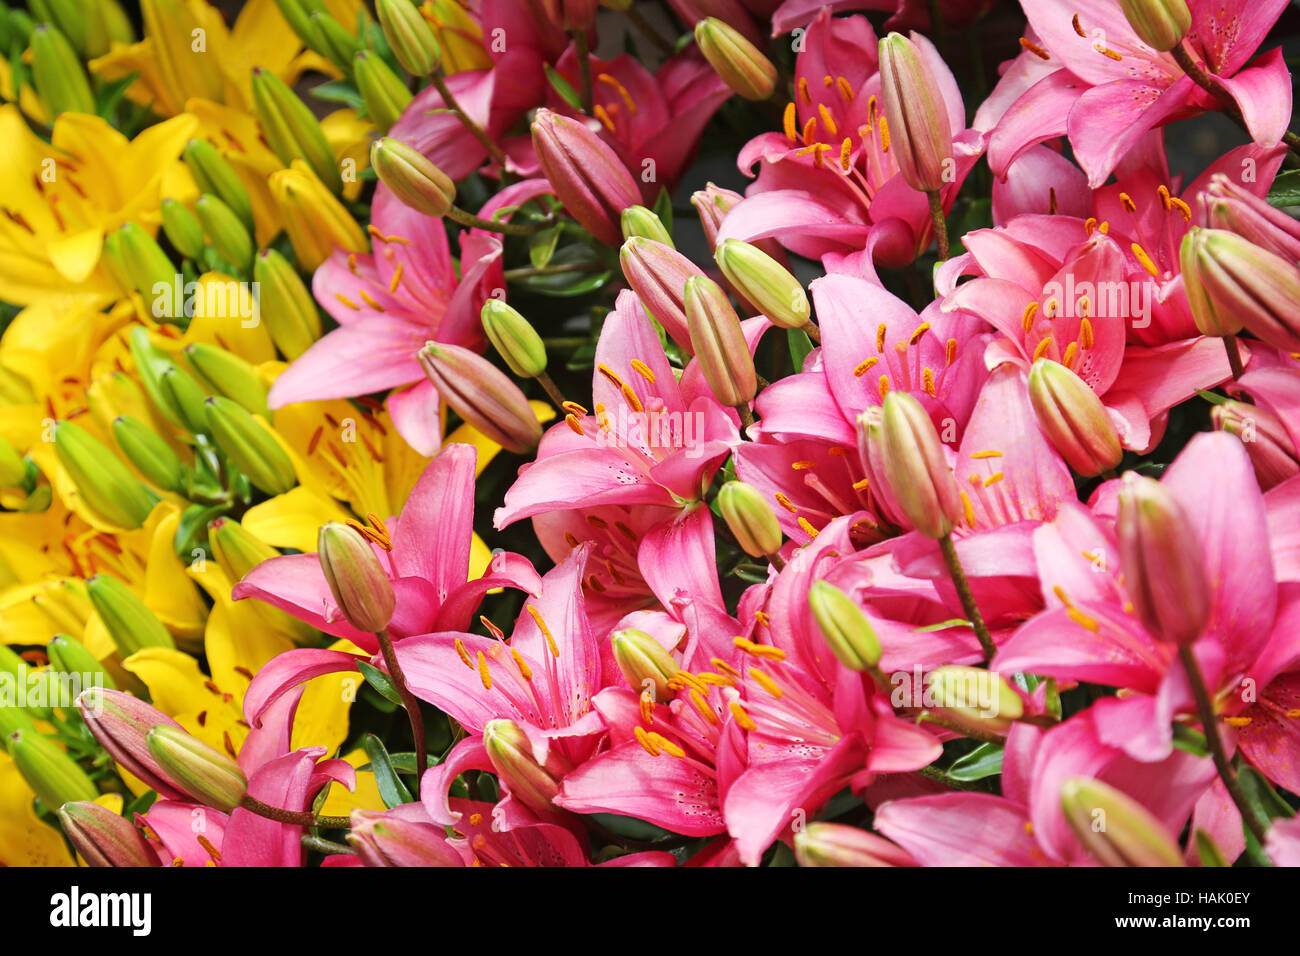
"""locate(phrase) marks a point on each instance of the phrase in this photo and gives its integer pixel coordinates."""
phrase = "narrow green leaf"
(563, 87)
(380, 682)
(984, 761)
(391, 788)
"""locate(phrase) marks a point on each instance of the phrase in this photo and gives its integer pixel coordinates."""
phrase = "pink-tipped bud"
(398, 837)
(719, 343)
(360, 587)
(871, 455)
(919, 131)
(915, 467)
(1114, 828)
(511, 754)
(1231, 207)
(105, 838)
(121, 723)
(1271, 451)
(742, 66)
(591, 181)
(838, 844)
(1164, 571)
(712, 203)
(483, 395)
(1073, 419)
(658, 274)
(1232, 283)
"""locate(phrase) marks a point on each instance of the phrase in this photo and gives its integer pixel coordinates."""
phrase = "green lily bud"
(292, 129)
(838, 844)
(238, 551)
(105, 838)
(214, 176)
(148, 270)
(412, 178)
(298, 13)
(285, 304)
(642, 659)
(512, 757)
(1231, 283)
(227, 374)
(182, 229)
(410, 36)
(919, 131)
(750, 518)
(333, 41)
(69, 656)
(770, 286)
(742, 66)
(719, 343)
(116, 23)
(104, 483)
(915, 468)
(151, 362)
(202, 772)
(1114, 828)
(60, 79)
(514, 338)
(49, 771)
(640, 221)
(250, 446)
(360, 587)
(1073, 418)
(13, 719)
(481, 394)
(21, 676)
(185, 396)
(150, 454)
(128, 621)
(382, 90)
(1160, 24)
(846, 630)
(227, 234)
(974, 698)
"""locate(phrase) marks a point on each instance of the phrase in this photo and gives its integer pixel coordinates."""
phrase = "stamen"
(1083, 620)
(1034, 48)
(950, 352)
(1144, 260)
(845, 89)
(369, 300)
(703, 708)
(647, 703)
(784, 502)
(884, 135)
(865, 366)
(1106, 52)
(1071, 352)
(541, 626)
(993, 479)
(525, 671)
(927, 381)
(742, 718)
(573, 408)
(643, 370)
(483, 674)
(810, 130)
(987, 454)
(1043, 347)
(803, 90)
(574, 424)
(1027, 320)
(1127, 202)
(1074, 22)
(791, 121)
(882, 387)
(1182, 207)
(846, 154)
(721, 665)
(397, 278)
(644, 740)
(766, 683)
(880, 337)
(630, 397)
(920, 331)
(827, 120)
(968, 510)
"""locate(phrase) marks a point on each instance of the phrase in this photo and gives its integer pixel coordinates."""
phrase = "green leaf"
(563, 87)
(984, 761)
(541, 247)
(943, 625)
(1214, 398)
(380, 682)
(1261, 795)
(800, 346)
(1190, 740)
(1285, 190)
(193, 528)
(391, 788)
(140, 804)
(339, 91)
(630, 827)
(1208, 851)
(404, 761)
(663, 208)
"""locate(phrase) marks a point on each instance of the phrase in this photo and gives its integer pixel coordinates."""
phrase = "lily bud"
(845, 628)
(298, 14)
(770, 286)
(1232, 283)
(657, 274)
(227, 374)
(742, 66)
(482, 395)
(641, 658)
(104, 483)
(333, 41)
(291, 128)
(317, 223)
(1073, 419)
(14, 719)
(914, 466)
(409, 35)
(1271, 451)
(105, 838)
(146, 269)
(383, 92)
(974, 698)
(202, 772)
(214, 175)
(1164, 571)
(388, 839)
(359, 585)
(250, 446)
(586, 174)
(128, 621)
(919, 132)
(69, 656)
(285, 304)
(237, 551)
(511, 756)
(1229, 206)
(230, 240)
(170, 26)
(838, 844)
(120, 722)
(750, 518)
(184, 396)
(151, 363)
(640, 221)
(514, 338)
(1160, 24)
(719, 342)
(59, 77)
(1114, 828)
(182, 228)
(48, 770)
(150, 454)
(414, 180)
(459, 36)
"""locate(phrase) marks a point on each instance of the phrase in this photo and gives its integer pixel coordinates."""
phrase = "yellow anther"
(1085, 333)
(1107, 52)
(647, 706)
(807, 526)
(1034, 48)
(920, 331)
(810, 131)
(1182, 207)
(950, 353)
(845, 89)
(1083, 620)
(968, 510)
(573, 423)
(348, 302)
(1074, 22)
(927, 381)
(536, 615)
(463, 654)
(865, 366)
(1237, 721)
(629, 396)
(827, 120)
(862, 484)
(666, 745)
(1144, 260)
(1127, 202)
(396, 280)
(766, 683)
(784, 502)
(884, 135)
(791, 122)
(717, 680)
(644, 740)
(1027, 319)
(880, 337)
(703, 708)
(993, 479)
(882, 387)
(846, 155)
(1042, 348)
(1071, 353)
(721, 665)
(643, 370)
(987, 454)
(483, 673)
(742, 718)
(803, 90)
(604, 117)
(369, 300)
(525, 671)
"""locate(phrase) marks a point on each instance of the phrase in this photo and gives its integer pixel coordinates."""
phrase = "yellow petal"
(77, 255)
(24, 839)
(291, 520)
(339, 802)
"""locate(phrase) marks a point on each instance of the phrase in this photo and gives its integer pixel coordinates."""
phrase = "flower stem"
(552, 390)
(324, 846)
(1209, 723)
(472, 221)
(493, 150)
(1234, 355)
(409, 702)
(584, 70)
(812, 332)
(940, 224)
(746, 416)
(966, 597)
(1211, 85)
(555, 269)
(301, 818)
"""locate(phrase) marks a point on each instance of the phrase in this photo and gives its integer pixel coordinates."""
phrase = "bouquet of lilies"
(410, 457)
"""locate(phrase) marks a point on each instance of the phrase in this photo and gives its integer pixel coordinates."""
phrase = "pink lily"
(903, 14)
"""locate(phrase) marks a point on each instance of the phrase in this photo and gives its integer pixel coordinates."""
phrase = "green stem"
(474, 129)
(527, 272)
(1217, 90)
(299, 818)
(324, 846)
(1234, 355)
(472, 221)
(940, 224)
(584, 70)
(966, 597)
(409, 702)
